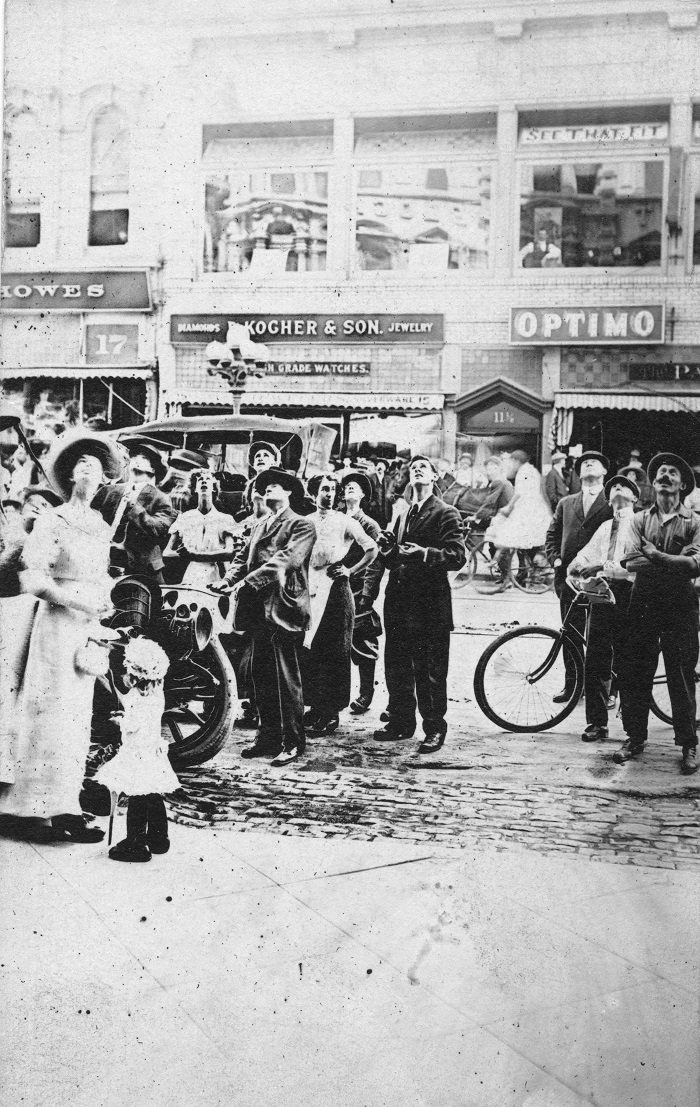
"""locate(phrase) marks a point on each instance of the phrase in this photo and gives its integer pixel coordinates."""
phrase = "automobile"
(201, 699)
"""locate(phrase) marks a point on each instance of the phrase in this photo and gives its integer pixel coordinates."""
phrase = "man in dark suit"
(575, 521)
(271, 596)
(555, 486)
(424, 545)
(140, 515)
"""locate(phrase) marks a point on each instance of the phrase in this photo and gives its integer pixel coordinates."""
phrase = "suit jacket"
(275, 563)
(570, 530)
(144, 526)
(418, 591)
(555, 488)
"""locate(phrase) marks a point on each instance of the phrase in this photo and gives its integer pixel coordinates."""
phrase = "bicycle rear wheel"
(483, 564)
(518, 675)
(533, 578)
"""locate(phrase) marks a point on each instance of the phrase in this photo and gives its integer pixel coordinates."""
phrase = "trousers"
(277, 684)
(668, 622)
(608, 632)
(415, 667)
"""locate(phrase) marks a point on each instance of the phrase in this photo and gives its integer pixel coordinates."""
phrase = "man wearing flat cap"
(608, 628)
(139, 514)
(270, 582)
(575, 521)
(665, 557)
(423, 546)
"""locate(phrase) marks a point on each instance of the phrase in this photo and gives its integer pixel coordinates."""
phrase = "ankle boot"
(133, 847)
(157, 836)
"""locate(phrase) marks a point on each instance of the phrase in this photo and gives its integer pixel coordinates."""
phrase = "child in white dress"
(141, 769)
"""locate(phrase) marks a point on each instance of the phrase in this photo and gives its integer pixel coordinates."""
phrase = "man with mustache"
(663, 614)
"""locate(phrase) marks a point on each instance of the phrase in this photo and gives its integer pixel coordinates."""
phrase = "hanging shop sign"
(664, 371)
(637, 324)
(113, 290)
(111, 343)
(501, 418)
(317, 369)
(614, 132)
(187, 329)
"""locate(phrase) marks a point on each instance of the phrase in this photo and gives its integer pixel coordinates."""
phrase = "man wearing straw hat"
(665, 557)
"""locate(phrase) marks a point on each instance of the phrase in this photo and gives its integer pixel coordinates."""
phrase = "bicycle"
(478, 557)
(526, 569)
(519, 674)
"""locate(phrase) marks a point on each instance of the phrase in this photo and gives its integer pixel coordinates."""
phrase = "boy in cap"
(665, 557)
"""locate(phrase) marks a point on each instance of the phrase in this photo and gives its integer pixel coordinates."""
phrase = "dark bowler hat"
(139, 448)
(625, 482)
(186, 460)
(38, 490)
(687, 474)
(285, 480)
(65, 451)
(591, 455)
(359, 478)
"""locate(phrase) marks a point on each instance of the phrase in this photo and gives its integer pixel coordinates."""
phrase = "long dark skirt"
(325, 667)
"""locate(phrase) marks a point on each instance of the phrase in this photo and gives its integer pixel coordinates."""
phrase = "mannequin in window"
(543, 253)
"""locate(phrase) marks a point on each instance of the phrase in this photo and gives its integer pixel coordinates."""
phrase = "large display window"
(423, 195)
(266, 201)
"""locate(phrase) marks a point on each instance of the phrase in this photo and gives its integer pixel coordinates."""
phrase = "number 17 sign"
(111, 343)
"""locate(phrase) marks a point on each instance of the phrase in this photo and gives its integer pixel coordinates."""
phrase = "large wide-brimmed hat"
(257, 446)
(591, 455)
(630, 471)
(10, 415)
(625, 482)
(687, 474)
(65, 451)
(358, 478)
(150, 452)
(284, 479)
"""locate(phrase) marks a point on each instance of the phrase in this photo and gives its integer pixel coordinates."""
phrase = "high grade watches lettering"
(642, 324)
(51, 291)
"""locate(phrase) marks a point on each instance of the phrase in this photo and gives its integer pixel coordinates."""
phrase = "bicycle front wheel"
(518, 676)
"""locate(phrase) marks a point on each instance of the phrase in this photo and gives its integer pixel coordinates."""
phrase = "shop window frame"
(271, 166)
(428, 160)
(573, 154)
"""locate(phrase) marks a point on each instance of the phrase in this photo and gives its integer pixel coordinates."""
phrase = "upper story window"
(592, 193)
(23, 182)
(109, 180)
(266, 198)
(423, 194)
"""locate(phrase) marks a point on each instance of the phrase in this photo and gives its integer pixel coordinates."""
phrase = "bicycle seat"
(591, 590)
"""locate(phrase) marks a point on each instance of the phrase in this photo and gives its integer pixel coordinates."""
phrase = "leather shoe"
(393, 733)
(594, 733)
(129, 851)
(258, 751)
(385, 716)
(432, 742)
(689, 761)
(361, 704)
(324, 726)
(564, 696)
(629, 749)
(285, 757)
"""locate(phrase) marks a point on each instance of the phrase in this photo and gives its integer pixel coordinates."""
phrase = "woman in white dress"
(522, 524)
(65, 565)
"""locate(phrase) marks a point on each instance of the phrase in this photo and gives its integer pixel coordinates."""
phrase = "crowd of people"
(302, 564)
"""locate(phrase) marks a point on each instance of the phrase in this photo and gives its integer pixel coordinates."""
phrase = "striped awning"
(628, 401)
(79, 372)
(341, 401)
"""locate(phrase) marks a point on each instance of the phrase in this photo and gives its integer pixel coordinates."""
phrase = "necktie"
(613, 539)
(412, 515)
(588, 501)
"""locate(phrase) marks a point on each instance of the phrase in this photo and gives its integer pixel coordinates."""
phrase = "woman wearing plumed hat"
(65, 565)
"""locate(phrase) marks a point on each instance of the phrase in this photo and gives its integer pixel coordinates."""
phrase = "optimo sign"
(186, 329)
(111, 290)
(584, 326)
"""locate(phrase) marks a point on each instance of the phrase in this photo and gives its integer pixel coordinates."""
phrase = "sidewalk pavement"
(254, 969)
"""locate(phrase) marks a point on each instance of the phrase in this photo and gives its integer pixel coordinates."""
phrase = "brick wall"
(522, 366)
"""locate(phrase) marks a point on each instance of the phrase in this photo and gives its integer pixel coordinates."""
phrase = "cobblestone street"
(548, 792)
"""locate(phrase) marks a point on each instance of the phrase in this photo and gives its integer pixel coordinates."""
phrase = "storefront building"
(78, 346)
(465, 165)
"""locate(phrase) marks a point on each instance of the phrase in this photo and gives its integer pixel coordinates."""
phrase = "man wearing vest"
(575, 521)
(665, 557)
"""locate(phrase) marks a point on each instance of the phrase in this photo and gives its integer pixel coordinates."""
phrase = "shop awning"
(80, 372)
(628, 401)
(340, 401)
